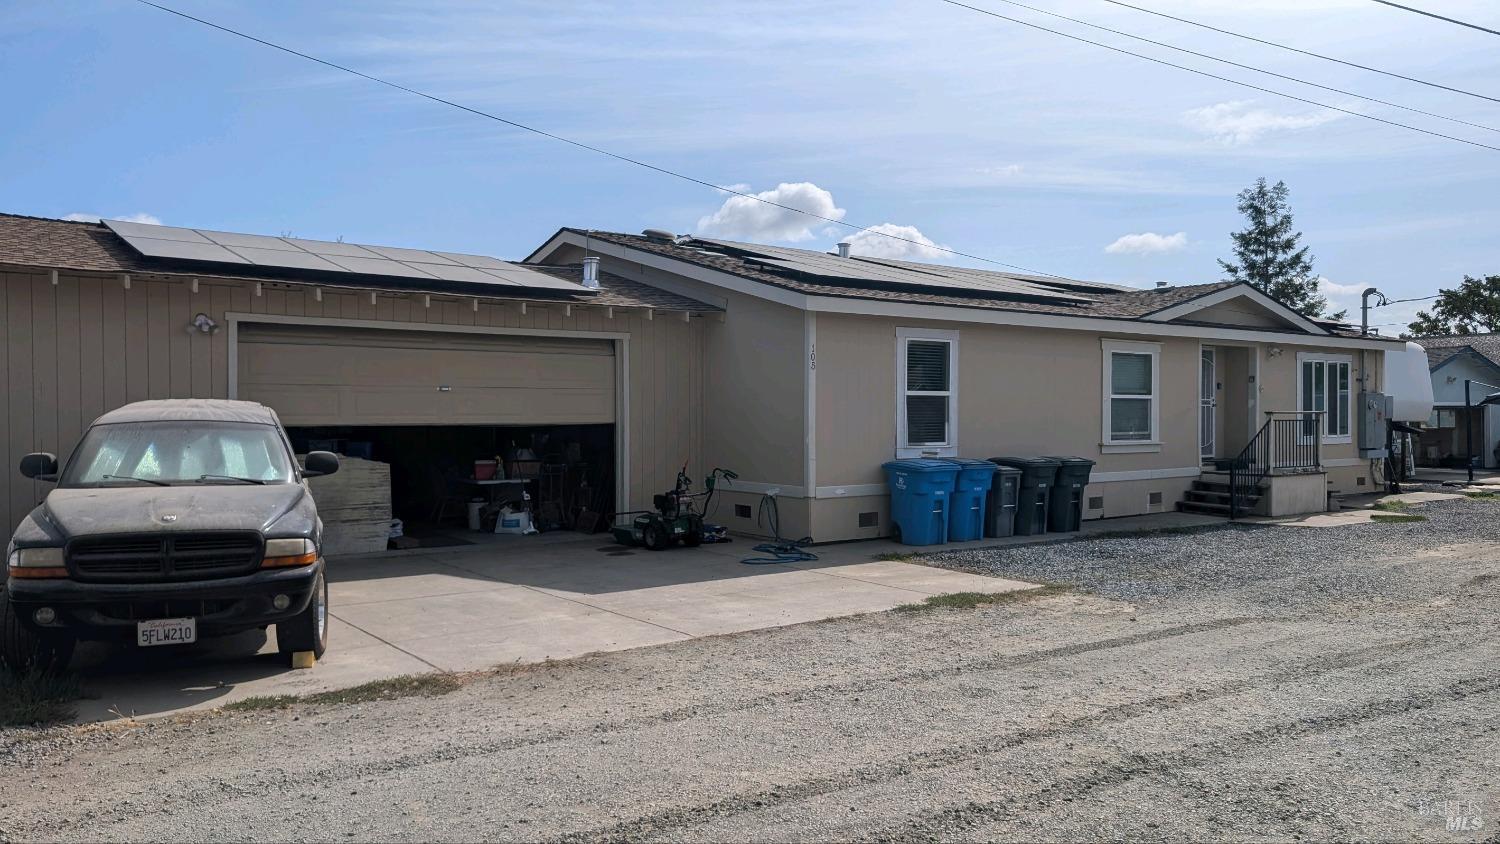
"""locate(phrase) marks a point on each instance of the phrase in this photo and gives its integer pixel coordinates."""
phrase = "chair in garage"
(447, 494)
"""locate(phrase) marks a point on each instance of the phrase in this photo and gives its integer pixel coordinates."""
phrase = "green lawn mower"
(677, 517)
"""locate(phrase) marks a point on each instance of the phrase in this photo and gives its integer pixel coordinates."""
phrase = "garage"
(587, 384)
(432, 408)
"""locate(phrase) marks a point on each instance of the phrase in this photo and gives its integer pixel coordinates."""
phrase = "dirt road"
(1353, 692)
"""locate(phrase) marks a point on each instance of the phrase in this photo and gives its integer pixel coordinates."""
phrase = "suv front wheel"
(23, 649)
(308, 630)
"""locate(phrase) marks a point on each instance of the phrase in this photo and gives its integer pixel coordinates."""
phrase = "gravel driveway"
(1232, 684)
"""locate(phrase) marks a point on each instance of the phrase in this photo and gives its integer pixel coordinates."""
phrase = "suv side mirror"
(40, 466)
(320, 463)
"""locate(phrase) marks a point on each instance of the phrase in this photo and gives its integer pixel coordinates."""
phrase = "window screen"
(926, 366)
(928, 400)
(1131, 396)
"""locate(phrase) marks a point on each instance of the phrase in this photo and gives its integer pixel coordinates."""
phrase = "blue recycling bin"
(966, 507)
(921, 490)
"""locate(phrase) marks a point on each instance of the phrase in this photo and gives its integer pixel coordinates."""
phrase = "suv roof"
(203, 410)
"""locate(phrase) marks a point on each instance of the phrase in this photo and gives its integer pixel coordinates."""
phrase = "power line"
(1300, 51)
(589, 147)
(1399, 301)
(1438, 16)
(1296, 79)
(1195, 70)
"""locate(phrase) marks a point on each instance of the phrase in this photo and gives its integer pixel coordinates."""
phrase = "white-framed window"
(1326, 383)
(926, 392)
(1132, 396)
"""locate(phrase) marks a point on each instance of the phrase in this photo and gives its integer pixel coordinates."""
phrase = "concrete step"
(1219, 497)
(1203, 507)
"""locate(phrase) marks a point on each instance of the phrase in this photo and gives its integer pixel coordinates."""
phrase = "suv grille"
(168, 556)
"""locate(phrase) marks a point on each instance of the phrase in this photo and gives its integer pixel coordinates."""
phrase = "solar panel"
(857, 269)
(292, 253)
(185, 250)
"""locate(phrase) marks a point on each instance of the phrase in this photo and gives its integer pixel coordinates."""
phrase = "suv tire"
(308, 630)
(23, 649)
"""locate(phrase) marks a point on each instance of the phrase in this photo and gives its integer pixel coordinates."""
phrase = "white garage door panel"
(322, 376)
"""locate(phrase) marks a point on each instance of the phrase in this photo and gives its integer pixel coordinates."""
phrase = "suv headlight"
(36, 562)
(284, 553)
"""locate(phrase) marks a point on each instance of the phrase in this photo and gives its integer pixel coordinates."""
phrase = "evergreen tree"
(1268, 254)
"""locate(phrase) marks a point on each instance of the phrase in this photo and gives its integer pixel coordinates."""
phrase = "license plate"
(166, 631)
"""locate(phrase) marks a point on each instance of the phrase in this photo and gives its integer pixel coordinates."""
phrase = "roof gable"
(1239, 305)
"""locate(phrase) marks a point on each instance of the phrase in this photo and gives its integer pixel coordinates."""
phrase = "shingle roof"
(90, 247)
(1102, 301)
(1441, 349)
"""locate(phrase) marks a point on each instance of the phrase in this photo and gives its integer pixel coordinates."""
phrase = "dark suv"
(173, 519)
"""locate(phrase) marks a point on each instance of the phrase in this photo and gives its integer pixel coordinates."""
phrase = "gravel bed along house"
(1285, 568)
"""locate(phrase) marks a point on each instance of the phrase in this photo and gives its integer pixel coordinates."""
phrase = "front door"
(1207, 404)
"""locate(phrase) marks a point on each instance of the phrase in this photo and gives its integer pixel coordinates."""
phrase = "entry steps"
(1210, 496)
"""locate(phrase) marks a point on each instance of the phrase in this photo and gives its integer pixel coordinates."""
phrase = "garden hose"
(779, 551)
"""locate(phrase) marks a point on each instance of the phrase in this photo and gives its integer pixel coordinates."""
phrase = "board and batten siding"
(87, 345)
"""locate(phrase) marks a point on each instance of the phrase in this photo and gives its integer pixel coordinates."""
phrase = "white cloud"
(1239, 122)
(1334, 290)
(745, 218)
(139, 217)
(1148, 243)
(881, 242)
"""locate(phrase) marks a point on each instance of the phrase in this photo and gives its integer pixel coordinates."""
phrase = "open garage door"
(318, 375)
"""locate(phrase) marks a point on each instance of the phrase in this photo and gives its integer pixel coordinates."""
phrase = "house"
(638, 354)
(825, 366)
(1454, 360)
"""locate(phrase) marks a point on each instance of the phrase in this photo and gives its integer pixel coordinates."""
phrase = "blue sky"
(975, 133)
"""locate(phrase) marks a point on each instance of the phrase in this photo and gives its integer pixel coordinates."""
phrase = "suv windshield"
(178, 452)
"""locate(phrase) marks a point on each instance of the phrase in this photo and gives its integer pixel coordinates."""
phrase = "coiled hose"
(779, 551)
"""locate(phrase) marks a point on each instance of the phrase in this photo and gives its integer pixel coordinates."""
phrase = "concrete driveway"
(509, 599)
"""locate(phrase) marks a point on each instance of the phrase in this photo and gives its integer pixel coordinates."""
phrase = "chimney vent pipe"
(591, 272)
(844, 249)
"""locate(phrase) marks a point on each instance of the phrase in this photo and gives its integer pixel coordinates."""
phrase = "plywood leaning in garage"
(355, 505)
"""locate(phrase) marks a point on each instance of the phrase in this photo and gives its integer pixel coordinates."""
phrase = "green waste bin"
(1037, 477)
(1000, 505)
(1065, 507)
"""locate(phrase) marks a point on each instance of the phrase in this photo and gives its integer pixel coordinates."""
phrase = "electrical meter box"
(1374, 420)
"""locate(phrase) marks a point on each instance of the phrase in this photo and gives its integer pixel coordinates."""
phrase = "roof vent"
(660, 235)
(1160, 285)
(844, 249)
(591, 272)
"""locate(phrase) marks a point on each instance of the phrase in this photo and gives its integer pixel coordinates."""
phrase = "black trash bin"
(1000, 505)
(1065, 509)
(1037, 476)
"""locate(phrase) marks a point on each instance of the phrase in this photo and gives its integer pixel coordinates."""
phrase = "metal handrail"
(1282, 445)
(1249, 468)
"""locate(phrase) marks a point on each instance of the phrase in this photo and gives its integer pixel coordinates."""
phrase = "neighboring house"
(824, 367)
(802, 371)
(1474, 357)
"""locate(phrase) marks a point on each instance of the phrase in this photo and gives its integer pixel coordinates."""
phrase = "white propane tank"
(1408, 381)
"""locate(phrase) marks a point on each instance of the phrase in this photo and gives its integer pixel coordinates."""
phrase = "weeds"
(1483, 495)
(35, 698)
(394, 688)
(1396, 518)
(973, 600)
(1393, 505)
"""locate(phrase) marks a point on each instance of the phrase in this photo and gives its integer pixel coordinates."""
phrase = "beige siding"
(87, 345)
(1022, 391)
(1239, 311)
(754, 394)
